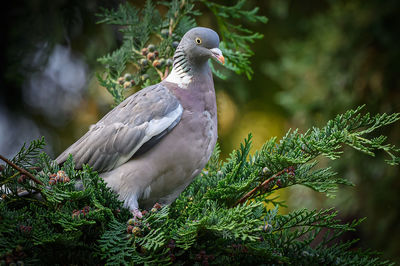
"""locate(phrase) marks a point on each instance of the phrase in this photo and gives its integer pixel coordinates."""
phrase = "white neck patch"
(180, 77)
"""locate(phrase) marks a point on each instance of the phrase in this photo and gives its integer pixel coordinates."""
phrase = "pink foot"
(137, 214)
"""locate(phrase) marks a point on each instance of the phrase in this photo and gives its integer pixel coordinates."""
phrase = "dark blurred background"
(317, 59)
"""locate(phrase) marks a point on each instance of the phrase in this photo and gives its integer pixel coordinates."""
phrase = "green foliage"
(54, 219)
(114, 245)
(146, 27)
(327, 61)
(208, 222)
(236, 38)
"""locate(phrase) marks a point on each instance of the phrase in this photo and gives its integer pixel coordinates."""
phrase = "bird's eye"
(198, 40)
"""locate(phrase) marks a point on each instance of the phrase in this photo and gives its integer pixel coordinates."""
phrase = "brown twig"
(262, 185)
(21, 170)
(159, 72)
(165, 73)
(172, 23)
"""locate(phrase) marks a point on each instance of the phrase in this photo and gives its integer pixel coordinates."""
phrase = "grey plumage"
(119, 134)
(151, 146)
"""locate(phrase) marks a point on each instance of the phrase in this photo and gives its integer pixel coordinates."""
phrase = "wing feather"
(151, 112)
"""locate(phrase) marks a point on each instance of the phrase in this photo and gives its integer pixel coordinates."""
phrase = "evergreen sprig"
(61, 220)
(149, 40)
(292, 160)
(235, 37)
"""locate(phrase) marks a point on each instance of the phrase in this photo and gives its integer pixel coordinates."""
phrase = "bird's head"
(198, 45)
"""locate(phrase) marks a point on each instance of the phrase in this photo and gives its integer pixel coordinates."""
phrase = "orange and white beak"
(218, 55)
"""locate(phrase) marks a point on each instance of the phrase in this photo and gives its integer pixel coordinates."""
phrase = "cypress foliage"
(51, 214)
(149, 41)
(220, 218)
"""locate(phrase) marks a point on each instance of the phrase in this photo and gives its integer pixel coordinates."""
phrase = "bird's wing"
(141, 119)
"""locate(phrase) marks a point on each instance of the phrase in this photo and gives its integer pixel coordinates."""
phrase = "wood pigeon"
(150, 147)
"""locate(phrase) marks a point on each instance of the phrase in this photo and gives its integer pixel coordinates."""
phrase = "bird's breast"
(189, 147)
(163, 172)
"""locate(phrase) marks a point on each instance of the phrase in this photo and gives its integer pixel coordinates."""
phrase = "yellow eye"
(198, 40)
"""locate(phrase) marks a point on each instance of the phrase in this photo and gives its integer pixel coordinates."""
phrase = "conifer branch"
(263, 186)
(201, 222)
(22, 171)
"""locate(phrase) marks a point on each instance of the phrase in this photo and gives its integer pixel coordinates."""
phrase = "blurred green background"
(317, 59)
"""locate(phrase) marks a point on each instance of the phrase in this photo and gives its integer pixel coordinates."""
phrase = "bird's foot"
(137, 214)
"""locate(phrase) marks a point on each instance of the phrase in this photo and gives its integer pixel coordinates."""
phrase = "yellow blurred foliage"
(237, 125)
(263, 126)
